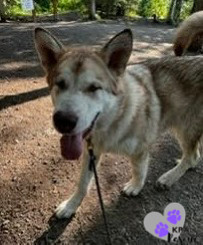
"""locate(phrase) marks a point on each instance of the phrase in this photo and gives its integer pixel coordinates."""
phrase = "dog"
(189, 36)
(121, 108)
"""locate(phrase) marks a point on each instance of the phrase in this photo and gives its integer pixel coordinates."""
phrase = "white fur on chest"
(121, 136)
(109, 143)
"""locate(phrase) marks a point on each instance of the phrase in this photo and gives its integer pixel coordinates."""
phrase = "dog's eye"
(61, 84)
(93, 88)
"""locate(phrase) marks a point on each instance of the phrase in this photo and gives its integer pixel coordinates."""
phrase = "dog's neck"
(114, 122)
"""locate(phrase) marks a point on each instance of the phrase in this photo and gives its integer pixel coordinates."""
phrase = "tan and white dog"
(189, 36)
(122, 108)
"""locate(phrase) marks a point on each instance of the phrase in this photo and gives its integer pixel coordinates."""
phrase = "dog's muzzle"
(64, 122)
(71, 143)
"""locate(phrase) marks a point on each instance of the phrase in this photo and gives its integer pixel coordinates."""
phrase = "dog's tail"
(188, 32)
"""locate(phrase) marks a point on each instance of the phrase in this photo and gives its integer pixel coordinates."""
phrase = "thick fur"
(135, 104)
(189, 36)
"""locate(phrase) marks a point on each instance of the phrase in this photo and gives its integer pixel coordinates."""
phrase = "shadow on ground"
(55, 230)
(17, 99)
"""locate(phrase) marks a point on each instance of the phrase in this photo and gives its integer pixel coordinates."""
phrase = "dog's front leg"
(140, 164)
(68, 207)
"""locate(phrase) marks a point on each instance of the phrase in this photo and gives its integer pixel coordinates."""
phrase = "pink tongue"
(71, 146)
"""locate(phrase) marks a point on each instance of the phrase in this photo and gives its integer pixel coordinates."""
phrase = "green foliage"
(144, 8)
(44, 5)
(125, 6)
(147, 8)
(160, 8)
(14, 9)
(115, 7)
(65, 5)
(186, 9)
(132, 8)
(105, 8)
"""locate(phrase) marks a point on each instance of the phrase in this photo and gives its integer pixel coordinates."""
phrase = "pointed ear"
(117, 51)
(48, 48)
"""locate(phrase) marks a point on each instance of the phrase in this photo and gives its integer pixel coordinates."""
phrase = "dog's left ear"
(117, 51)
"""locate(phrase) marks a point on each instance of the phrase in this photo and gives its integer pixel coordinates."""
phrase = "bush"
(144, 8)
(44, 5)
(186, 9)
(65, 5)
(105, 8)
(147, 8)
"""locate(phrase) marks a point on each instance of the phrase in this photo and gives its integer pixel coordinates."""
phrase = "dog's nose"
(64, 122)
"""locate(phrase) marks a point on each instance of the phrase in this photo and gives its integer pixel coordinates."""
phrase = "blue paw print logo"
(161, 229)
(174, 216)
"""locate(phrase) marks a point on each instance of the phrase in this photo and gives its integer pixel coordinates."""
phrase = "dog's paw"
(164, 182)
(131, 188)
(178, 161)
(161, 186)
(66, 209)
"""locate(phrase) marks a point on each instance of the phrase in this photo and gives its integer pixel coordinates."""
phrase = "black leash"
(92, 167)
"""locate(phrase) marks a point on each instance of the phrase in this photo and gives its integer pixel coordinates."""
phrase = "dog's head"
(84, 84)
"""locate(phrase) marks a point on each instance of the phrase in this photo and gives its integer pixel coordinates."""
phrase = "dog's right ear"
(48, 48)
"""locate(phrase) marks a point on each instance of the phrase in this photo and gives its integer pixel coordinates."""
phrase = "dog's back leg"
(189, 159)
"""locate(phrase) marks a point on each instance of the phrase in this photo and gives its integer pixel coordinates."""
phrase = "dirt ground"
(34, 178)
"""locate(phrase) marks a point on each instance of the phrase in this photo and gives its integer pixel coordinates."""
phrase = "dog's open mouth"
(71, 145)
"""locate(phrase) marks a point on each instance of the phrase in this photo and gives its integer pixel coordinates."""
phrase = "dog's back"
(189, 34)
(178, 83)
(179, 86)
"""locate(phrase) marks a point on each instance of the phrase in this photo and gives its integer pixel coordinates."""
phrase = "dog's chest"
(110, 143)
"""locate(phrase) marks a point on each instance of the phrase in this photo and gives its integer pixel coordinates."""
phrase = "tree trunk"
(171, 12)
(55, 9)
(34, 15)
(92, 9)
(197, 6)
(2, 11)
(174, 11)
(108, 9)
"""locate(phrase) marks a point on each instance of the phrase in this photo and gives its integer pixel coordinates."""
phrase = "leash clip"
(92, 156)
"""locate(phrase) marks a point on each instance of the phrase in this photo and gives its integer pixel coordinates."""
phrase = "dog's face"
(84, 85)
